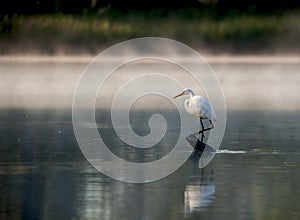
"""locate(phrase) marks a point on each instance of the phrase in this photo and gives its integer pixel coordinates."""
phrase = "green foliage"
(107, 26)
(7, 25)
(246, 28)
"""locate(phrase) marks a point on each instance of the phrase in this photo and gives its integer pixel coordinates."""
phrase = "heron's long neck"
(186, 105)
(191, 94)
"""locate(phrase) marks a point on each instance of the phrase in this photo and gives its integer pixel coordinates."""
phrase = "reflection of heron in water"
(199, 107)
(200, 189)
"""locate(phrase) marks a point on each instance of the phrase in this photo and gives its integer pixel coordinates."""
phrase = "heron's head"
(186, 91)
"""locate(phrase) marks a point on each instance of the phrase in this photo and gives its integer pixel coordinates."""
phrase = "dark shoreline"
(89, 34)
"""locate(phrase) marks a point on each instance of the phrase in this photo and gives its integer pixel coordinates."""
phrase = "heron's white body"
(199, 107)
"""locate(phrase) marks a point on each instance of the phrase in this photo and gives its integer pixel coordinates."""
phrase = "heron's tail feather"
(213, 115)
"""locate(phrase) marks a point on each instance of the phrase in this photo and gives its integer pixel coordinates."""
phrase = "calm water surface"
(255, 175)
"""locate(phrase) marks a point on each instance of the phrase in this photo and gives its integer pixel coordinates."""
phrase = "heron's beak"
(180, 94)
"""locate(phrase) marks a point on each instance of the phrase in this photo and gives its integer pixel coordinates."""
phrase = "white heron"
(198, 107)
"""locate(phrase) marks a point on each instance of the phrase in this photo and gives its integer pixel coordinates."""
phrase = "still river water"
(254, 175)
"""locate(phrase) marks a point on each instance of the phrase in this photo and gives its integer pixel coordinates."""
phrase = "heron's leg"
(207, 129)
(201, 126)
(202, 136)
(202, 131)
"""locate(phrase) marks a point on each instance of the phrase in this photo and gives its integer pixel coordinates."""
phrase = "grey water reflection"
(43, 174)
(200, 189)
(255, 175)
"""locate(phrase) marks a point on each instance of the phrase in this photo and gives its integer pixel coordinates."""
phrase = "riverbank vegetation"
(89, 32)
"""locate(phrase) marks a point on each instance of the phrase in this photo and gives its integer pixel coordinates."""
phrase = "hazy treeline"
(78, 6)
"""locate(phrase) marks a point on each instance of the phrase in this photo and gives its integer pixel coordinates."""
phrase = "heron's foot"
(202, 133)
(198, 133)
